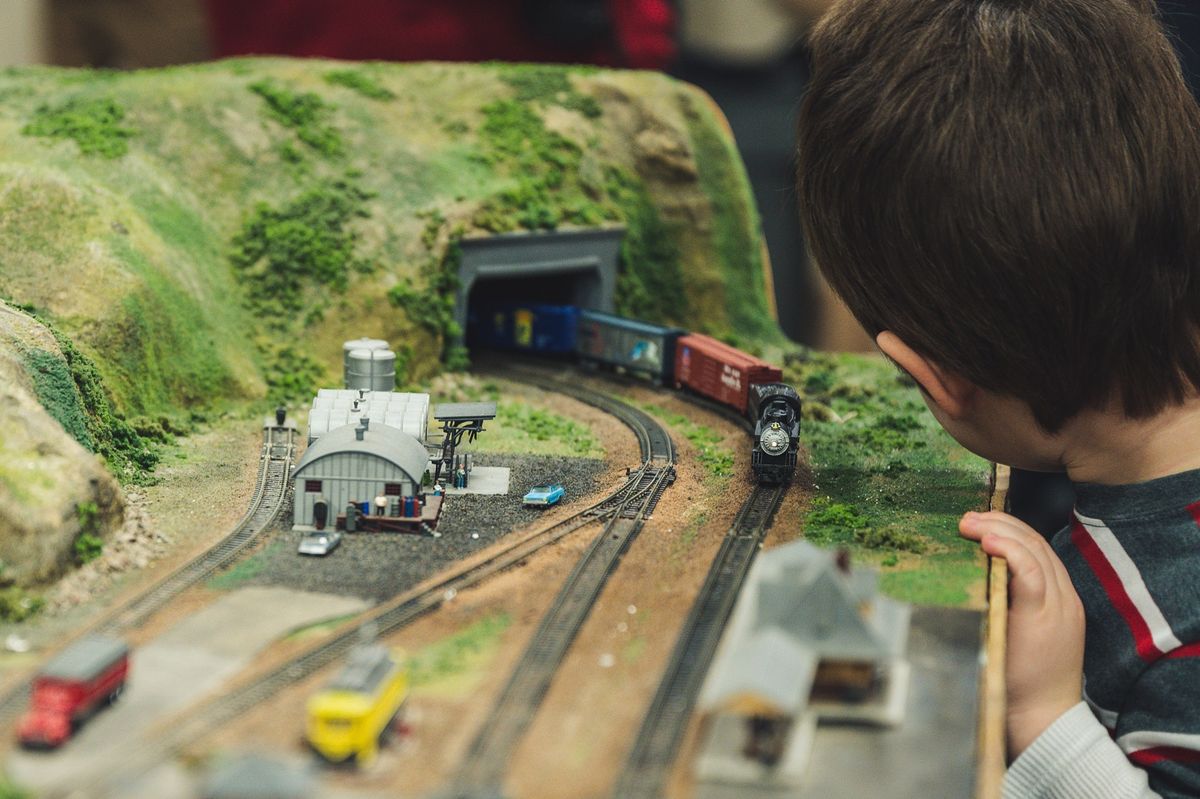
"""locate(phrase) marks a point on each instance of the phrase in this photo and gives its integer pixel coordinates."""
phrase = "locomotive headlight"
(773, 441)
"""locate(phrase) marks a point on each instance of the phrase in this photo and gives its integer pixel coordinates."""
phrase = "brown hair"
(1013, 188)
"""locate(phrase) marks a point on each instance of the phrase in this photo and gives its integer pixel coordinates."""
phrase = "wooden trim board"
(991, 766)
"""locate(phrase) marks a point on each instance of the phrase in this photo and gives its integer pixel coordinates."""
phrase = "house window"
(393, 490)
(312, 486)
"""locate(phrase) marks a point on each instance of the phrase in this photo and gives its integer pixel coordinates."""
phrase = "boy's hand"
(1044, 664)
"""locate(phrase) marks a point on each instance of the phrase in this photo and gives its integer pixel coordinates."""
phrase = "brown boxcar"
(719, 371)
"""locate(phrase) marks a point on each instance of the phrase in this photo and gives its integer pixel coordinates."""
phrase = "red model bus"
(71, 687)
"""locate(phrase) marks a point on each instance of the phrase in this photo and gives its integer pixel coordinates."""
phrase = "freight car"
(716, 370)
(775, 411)
(638, 347)
(349, 717)
(534, 328)
(72, 687)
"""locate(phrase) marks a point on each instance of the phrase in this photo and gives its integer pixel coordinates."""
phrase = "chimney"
(842, 559)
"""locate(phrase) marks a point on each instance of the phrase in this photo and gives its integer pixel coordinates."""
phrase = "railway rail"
(648, 764)
(488, 756)
(642, 490)
(267, 501)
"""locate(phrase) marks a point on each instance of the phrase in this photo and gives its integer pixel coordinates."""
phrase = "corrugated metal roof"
(332, 408)
(85, 659)
(379, 440)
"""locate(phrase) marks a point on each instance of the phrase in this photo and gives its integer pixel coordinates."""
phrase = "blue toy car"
(544, 495)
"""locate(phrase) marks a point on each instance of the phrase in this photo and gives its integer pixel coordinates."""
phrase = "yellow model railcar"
(350, 715)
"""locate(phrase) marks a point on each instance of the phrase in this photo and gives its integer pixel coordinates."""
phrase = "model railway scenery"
(673, 357)
(430, 431)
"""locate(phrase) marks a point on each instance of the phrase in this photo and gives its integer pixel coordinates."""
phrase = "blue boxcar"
(536, 328)
(635, 346)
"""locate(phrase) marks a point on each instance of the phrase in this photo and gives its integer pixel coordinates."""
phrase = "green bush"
(308, 240)
(92, 123)
(17, 604)
(891, 537)
(304, 112)
(360, 82)
(71, 390)
(88, 547)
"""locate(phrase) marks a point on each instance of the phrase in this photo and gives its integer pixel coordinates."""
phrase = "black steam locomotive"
(775, 410)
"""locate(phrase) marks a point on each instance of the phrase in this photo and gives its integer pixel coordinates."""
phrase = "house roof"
(796, 610)
(379, 440)
(770, 672)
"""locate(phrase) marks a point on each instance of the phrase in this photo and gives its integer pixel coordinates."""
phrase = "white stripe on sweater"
(1131, 579)
(1149, 739)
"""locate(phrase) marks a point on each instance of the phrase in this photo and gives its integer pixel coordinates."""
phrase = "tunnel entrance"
(573, 267)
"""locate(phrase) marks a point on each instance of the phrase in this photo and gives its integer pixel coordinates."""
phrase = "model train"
(668, 355)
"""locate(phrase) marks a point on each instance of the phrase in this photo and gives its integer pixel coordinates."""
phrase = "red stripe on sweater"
(1157, 754)
(1186, 651)
(1194, 509)
(1117, 595)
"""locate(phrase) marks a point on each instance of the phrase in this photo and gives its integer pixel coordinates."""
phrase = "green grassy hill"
(216, 231)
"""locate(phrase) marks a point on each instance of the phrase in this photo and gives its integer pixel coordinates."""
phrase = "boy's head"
(1012, 188)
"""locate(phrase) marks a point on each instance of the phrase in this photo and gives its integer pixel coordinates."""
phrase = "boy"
(1006, 193)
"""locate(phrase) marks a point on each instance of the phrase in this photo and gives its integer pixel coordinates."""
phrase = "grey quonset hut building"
(357, 464)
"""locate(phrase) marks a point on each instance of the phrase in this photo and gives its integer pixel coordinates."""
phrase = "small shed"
(357, 463)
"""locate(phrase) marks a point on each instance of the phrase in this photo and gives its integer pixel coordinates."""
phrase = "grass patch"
(17, 604)
(307, 242)
(56, 391)
(521, 428)
(453, 666)
(361, 82)
(738, 244)
(318, 628)
(548, 86)
(716, 458)
(305, 113)
(92, 123)
(84, 398)
(245, 570)
(889, 479)
(431, 305)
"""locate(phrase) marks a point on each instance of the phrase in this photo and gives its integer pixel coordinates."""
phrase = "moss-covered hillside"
(217, 230)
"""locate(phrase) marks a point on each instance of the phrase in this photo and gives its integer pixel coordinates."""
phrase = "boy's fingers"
(1028, 578)
(1006, 526)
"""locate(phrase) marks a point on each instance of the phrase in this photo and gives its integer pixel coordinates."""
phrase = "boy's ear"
(951, 393)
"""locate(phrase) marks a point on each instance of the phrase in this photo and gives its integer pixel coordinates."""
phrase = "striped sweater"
(1133, 553)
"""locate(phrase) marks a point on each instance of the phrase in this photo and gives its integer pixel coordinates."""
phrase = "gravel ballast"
(377, 566)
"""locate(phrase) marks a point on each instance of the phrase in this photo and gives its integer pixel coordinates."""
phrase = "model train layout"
(256, 585)
(669, 356)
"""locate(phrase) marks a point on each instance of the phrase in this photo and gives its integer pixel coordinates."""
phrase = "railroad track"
(487, 758)
(270, 492)
(648, 764)
(642, 489)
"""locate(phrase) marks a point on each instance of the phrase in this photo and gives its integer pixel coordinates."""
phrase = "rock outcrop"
(52, 489)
